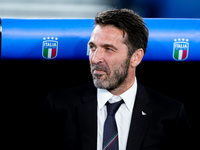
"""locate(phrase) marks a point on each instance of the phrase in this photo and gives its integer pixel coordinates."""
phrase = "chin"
(100, 84)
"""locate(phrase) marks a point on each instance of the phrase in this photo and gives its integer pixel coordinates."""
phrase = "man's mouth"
(99, 72)
(100, 69)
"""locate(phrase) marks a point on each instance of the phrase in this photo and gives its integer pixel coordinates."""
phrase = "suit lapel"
(140, 119)
(87, 114)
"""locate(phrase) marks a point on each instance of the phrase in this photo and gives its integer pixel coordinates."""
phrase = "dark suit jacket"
(70, 121)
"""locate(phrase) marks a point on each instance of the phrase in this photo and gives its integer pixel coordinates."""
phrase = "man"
(81, 118)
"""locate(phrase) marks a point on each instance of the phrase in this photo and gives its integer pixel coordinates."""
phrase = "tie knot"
(113, 107)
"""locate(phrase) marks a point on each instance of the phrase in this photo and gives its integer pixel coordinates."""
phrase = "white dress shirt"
(122, 116)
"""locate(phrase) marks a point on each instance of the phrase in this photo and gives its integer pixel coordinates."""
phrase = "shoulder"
(73, 91)
(69, 96)
(160, 101)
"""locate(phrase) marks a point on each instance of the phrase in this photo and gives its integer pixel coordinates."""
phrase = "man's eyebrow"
(109, 45)
(91, 43)
(103, 45)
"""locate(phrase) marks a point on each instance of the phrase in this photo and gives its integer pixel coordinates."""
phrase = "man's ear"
(137, 57)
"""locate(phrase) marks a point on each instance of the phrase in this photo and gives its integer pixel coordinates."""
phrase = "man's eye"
(92, 48)
(109, 49)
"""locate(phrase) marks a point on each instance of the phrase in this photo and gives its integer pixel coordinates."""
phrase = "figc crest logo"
(50, 47)
(180, 49)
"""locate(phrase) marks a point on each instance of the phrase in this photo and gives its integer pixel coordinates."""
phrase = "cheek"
(117, 65)
(113, 67)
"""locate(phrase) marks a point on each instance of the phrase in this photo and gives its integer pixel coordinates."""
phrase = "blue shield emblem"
(180, 49)
(50, 48)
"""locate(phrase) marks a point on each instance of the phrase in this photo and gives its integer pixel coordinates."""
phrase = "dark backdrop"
(25, 84)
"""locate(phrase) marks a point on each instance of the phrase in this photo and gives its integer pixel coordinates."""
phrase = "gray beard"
(114, 81)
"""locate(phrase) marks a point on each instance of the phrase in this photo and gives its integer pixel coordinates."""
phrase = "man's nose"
(98, 56)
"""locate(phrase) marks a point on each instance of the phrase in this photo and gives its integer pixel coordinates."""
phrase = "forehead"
(107, 33)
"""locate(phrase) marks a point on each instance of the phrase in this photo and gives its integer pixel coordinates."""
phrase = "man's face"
(109, 60)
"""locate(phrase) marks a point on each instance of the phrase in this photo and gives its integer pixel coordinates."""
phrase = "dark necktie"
(110, 135)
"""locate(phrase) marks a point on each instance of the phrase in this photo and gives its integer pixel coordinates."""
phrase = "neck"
(129, 81)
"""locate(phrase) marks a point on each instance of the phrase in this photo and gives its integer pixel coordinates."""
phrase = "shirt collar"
(103, 96)
(128, 96)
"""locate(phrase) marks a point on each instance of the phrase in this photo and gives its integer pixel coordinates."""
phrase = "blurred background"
(25, 83)
(89, 8)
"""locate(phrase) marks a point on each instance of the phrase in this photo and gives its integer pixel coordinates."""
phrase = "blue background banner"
(34, 39)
